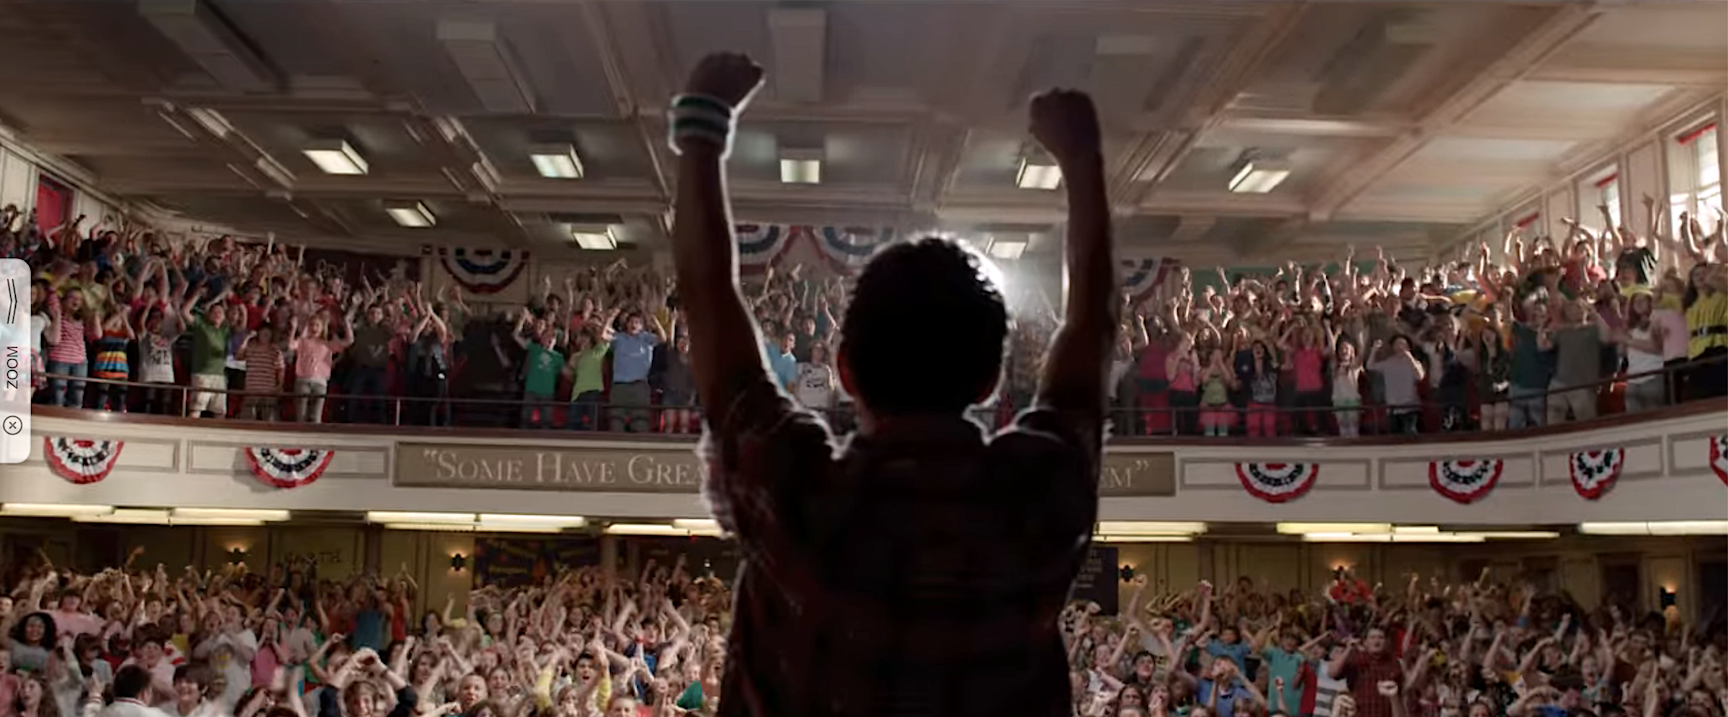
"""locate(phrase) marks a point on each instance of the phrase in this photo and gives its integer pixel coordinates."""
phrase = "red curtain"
(53, 204)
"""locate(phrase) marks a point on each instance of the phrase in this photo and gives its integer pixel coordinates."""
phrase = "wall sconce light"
(236, 555)
(1127, 573)
(1665, 596)
(458, 561)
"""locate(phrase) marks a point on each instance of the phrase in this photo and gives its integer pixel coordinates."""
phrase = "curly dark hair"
(924, 331)
(48, 640)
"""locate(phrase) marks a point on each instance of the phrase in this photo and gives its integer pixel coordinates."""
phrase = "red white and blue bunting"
(844, 249)
(287, 467)
(759, 245)
(848, 248)
(1594, 472)
(1277, 482)
(81, 460)
(1464, 481)
(1142, 278)
(483, 271)
(1719, 457)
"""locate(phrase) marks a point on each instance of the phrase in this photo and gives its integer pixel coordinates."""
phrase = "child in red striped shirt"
(264, 366)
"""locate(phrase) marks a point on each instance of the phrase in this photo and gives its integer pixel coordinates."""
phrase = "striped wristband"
(699, 118)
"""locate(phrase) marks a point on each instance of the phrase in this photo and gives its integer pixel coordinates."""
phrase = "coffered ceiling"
(1398, 123)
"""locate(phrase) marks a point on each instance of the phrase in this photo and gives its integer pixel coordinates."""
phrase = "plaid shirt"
(1365, 671)
(920, 571)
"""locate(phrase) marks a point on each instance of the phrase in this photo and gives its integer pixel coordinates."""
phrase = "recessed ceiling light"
(645, 529)
(392, 516)
(212, 121)
(1148, 527)
(1304, 528)
(1658, 527)
(53, 510)
(1007, 249)
(335, 156)
(140, 516)
(181, 514)
(801, 166)
(1259, 177)
(411, 214)
(594, 237)
(556, 161)
(1039, 174)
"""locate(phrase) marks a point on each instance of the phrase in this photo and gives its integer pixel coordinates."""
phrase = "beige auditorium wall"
(426, 555)
(1670, 563)
(17, 180)
(1638, 157)
(20, 166)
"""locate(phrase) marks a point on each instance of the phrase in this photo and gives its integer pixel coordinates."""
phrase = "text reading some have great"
(674, 470)
(659, 471)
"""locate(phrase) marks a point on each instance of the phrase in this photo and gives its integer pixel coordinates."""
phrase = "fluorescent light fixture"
(184, 514)
(556, 161)
(140, 516)
(391, 516)
(1328, 536)
(1259, 177)
(594, 237)
(411, 214)
(1663, 527)
(53, 510)
(214, 123)
(1142, 539)
(1415, 529)
(213, 521)
(335, 156)
(1306, 528)
(1148, 527)
(1437, 538)
(1513, 534)
(498, 521)
(697, 523)
(645, 529)
(1007, 248)
(801, 166)
(1334, 537)
(445, 527)
(1038, 175)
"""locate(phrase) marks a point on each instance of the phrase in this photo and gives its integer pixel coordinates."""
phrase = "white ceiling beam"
(486, 61)
(1153, 156)
(1543, 127)
(1192, 228)
(1464, 172)
(1608, 64)
(799, 36)
(1356, 175)
(212, 43)
(1309, 126)
(1221, 203)
(1403, 210)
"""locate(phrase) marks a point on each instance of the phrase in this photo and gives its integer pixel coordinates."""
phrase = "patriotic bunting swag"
(844, 249)
(81, 460)
(1594, 472)
(287, 467)
(847, 249)
(1719, 457)
(1142, 278)
(1464, 481)
(483, 271)
(1277, 482)
(760, 244)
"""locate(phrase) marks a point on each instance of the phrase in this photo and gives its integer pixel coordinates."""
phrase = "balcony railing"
(1459, 416)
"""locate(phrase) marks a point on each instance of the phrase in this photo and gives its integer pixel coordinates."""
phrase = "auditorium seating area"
(125, 319)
